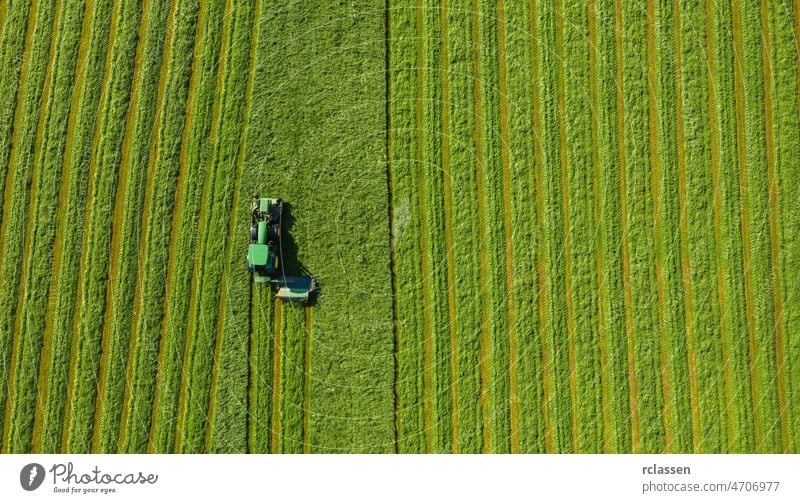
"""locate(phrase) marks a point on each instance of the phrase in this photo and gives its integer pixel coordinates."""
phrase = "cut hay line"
(541, 276)
(197, 273)
(424, 246)
(600, 260)
(774, 212)
(307, 379)
(484, 259)
(738, 55)
(117, 224)
(626, 261)
(9, 183)
(565, 208)
(232, 224)
(655, 184)
(3, 14)
(717, 212)
(277, 383)
(448, 224)
(22, 292)
(684, 233)
(148, 196)
(66, 170)
(504, 142)
(180, 193)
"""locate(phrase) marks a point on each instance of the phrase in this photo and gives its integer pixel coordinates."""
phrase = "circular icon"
(31, 476)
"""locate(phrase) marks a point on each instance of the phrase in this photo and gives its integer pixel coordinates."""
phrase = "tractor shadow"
(291, 264)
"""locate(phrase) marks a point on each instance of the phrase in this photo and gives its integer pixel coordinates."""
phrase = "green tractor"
(264, 252)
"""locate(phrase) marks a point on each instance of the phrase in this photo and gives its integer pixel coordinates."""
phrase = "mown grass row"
(213, 231)
(260, 372)
(525, 238)
(103, 179)
(611, 303)
(127, 231)
(404, 157)
(20, 176)
(678, 404)
(229, 411)
(639, 233)
(556, 352)
(59, 318)
(582, 263)
(492, 235)
(786, 102)
(740, 435)
(194, 154)
(755, 212)
(40, 235)
(156, 218)
(293, 338)
(435, 280)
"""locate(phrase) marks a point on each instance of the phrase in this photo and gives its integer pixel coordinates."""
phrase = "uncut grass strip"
(636, 446)
(109, 137)
(657, 190)
(405, 225)
(740, 418)
(493, 184)
(639, 208)
(525, 369)
(686, 266)
(609, 227)
(482, 127)
(772, 201)
(261, 377)
(17, 197)
(436, 240)
(559, 403)
(228, 409)
(447, 192)
(183, 233)
(127, 233)
(48, 159)
(213, 226)
(141, 375)
(59, 318)
(755, 188)
(674, 316)
(465, 250)
(579, 192)
(292, 378)
(541, 233)
(786, 113)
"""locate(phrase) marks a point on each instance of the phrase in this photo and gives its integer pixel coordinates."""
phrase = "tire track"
(655, 184)
(277, 358)
(180, 193)
(600, 261)
(424, 245)
(66, 170)
(448, 225)
(117, 223)
(684, 232)
(626, 260)
(774, 212)
(504, 141)
(148, 196)
(717, 211)
(44, 106)
(738, 53)
(484, 259)
(231, 224)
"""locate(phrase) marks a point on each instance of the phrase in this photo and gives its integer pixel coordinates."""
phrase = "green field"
(538, 226)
